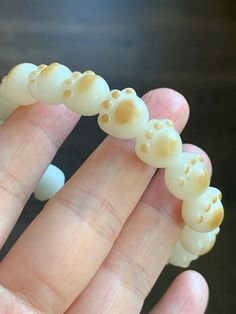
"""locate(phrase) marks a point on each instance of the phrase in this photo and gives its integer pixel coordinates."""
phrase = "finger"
(187, 294)
(29, 139)
(76, 230)
(139, 254)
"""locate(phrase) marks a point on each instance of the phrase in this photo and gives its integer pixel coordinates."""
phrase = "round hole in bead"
(149, 134)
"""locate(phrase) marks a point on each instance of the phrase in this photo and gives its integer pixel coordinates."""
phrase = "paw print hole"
(129, 90)
(220, 196)
(89, 72)
(68, 82)
(41, 66)
(67, 93)
(104, 118)
(145, 148)
(186, 169)
(107, 104)
(158, 126)
(115, 94)
(181, 182)
(200, 219)
(214, 199)
(193, 160)
(76, 74)
(208, 208)
(149, 134)
(200, 158)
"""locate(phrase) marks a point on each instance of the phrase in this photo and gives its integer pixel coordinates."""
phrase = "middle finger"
(77, 228)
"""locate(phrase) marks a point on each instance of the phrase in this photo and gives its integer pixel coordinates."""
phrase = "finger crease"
(130, 273)
(10, 184)
(95, 219)
(45, 134)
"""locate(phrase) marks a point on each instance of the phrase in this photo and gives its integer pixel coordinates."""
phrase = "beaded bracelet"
(124, 115)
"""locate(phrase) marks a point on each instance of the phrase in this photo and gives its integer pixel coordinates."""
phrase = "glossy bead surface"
(180, 257)
(205, 213)
(198, 243)
(187, 177)
(123, 114)
(14, 86)
(45, 83)
(50, 183)
(83, 93)
(158, 144)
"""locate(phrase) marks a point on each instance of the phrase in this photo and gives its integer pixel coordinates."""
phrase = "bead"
(126, 115)
(187, 177)
(50, 183)
(6, 108)
(14, 86)
(196, 242)
(45, 84)
(164, 142)
(83, 93)
(180, 257)
(205, 213)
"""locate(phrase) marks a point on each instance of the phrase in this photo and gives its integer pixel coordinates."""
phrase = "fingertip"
(188, 293)
(166, 103)
(197, 288)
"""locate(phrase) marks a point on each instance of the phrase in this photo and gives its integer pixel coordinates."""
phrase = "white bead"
(50, 183)
(180, 257)
(6, 108)
(123, 114)
(1, 122)
(45, 84)
(198, 243)
(158, 144)
(187, 177)
(83, 93)
(205, 213)
(14, 86)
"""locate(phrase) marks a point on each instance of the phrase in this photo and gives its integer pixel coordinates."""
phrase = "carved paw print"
(204, 213)
(187, 177)
(83, 93)
(123, 114)
(45, 83)
(198, 243)
(14, 86)
(158, 144)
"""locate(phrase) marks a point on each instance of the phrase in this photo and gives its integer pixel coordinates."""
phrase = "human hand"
(101, 242)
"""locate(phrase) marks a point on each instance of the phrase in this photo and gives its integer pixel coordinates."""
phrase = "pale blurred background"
(186, 45)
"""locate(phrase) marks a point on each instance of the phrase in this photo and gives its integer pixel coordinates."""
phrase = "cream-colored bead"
(1, 122)
(180, 257)
(6, 108)
(205, 213)
(45, 83)
(14, 86)
(50, 183)
(187, 177)
(158, 144)
(196, 242)
(83, 93)
(123, 114)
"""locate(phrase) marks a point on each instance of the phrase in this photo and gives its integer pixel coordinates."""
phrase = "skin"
(94, 248)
